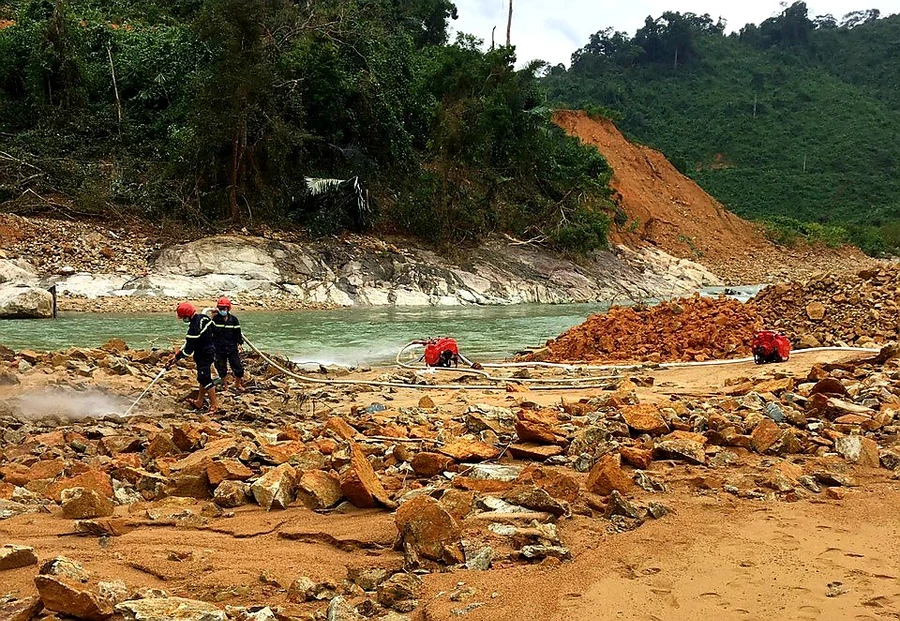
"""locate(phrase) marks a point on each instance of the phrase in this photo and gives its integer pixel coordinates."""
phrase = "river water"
(355, 336)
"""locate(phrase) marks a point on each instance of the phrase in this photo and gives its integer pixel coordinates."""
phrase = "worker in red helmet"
(228, 339)
(199, 344)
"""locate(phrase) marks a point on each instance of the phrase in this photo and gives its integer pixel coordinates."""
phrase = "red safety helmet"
(223, 303)
(185, 310)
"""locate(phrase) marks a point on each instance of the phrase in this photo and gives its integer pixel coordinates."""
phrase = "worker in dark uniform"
(199, 344)
(227, 339)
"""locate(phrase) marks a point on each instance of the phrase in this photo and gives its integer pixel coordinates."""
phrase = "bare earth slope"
(668, 210)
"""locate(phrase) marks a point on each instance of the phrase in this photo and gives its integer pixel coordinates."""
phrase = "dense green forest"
(212, 113)
(795, 121)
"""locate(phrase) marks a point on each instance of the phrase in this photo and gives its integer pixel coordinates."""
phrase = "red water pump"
(770, 346)
(441, 352)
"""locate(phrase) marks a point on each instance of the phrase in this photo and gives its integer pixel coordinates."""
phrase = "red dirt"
(670, 211)
(688, 329)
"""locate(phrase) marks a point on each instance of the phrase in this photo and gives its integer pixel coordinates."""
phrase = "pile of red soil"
(684, 330)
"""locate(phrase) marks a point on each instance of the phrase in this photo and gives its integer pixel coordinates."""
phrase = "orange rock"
(645, 418)
(463, 449)
(44, 469)
(686, 435)
(94, 480)
(71, 599)
(186, 437)
(227, 470)
(637, 457)
(161, 445)
(535, 452)
(482, 486)
(318, 489)
(559, 484)
(538, 427)
(79, 504)
(198, 461)
(428, 530)
(426, 464)
(765, 434)
(282, 452)
(458, 503)
(360, 484)
(607, 475)
(326, 446)
(340, 428)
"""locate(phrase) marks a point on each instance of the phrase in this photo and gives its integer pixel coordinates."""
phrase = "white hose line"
(485, 374)
(709, 363)
(327, 382)
(573, 384)
(668, 365)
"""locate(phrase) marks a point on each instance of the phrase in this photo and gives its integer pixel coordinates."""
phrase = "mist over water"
(67, 405)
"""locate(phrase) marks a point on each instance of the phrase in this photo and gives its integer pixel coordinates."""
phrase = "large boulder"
(25, 302)
(16, 271)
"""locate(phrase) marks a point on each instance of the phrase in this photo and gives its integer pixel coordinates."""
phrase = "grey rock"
(618, 505)
(774, 411)
(479, 559)
(169, 609)
(25, 302)
(64, 568)
(540, 552)
(657, 510)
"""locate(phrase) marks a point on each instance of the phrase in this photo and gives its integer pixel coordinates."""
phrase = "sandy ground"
(717, 556)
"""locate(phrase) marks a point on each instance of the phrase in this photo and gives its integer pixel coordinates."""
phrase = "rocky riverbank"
(106, 269)
(347, 502)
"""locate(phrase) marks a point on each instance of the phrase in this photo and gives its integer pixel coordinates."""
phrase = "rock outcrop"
(364, 271)
(22, 301)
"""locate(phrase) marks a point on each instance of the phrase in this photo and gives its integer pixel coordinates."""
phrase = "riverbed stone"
(607, 475)
(79, 503)
(275, 489)
(361, 485)
(169, 609)
(429, 531)
(71, 598)
(318, 489)
(16, 557)
(19, 301)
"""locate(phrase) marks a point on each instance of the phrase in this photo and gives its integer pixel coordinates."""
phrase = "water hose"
(485, 374)
(146, 390)
(377, 383)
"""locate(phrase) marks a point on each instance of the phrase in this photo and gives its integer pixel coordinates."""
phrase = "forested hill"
(239, 113)
(795, 120)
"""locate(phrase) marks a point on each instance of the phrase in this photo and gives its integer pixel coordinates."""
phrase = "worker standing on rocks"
(199, 344)
(227, 339)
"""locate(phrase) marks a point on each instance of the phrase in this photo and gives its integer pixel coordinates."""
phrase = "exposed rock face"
(370, 272)
(19, 301)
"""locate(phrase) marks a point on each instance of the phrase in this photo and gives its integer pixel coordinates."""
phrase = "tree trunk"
(509, 25)
(236, 157)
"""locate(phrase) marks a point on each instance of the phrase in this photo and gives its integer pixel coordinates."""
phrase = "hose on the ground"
(538, 384)
(386, 384)
(473, 369)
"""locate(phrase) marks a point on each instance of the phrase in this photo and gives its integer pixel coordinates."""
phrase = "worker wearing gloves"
(199, 344)
(227, 340)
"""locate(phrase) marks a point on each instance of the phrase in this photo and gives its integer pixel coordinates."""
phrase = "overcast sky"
(552, 30)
